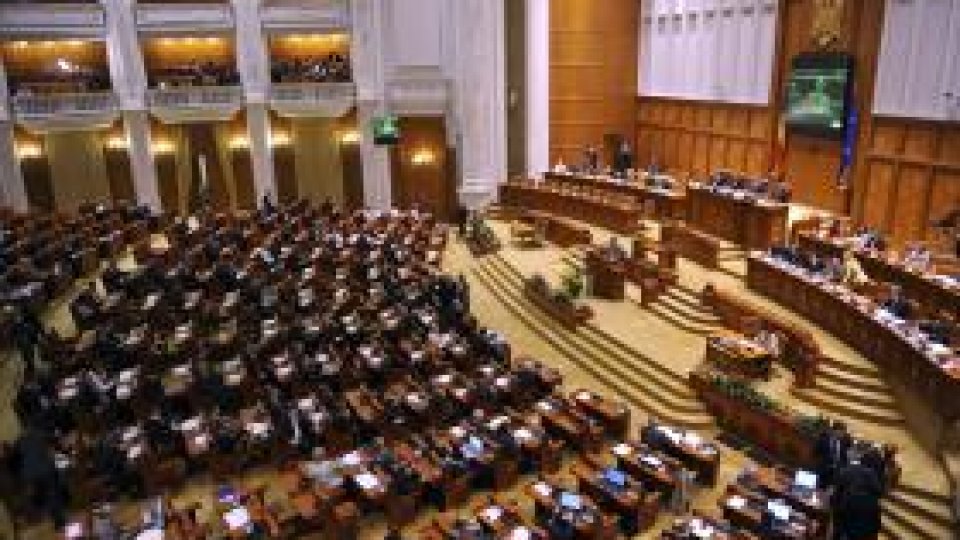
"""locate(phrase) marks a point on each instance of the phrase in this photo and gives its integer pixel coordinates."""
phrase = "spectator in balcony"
(334, 67)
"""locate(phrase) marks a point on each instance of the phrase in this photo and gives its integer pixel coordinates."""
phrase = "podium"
(608, 275)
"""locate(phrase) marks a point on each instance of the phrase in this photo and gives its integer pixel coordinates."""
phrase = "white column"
(367, 52)
(538, 85)
(261, 151)
(136, 123)
(377, 188)
(14, 192)
(253, 62)
(127, 72)
(478, 71)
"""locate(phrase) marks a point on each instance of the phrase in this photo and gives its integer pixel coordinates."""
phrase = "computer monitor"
(615, 477)
(570, 501)
(780, 511)
(805, 479)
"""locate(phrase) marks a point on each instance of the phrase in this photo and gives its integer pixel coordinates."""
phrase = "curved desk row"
(935, 374)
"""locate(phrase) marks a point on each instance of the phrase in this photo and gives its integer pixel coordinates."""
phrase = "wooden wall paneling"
(203, 142)
(427, 185)
(119, 175)
(285, 172)
(879, 191)
(909, 202)
(593, 76)
(351, 163)
(944, 198)
(242, 164)
(166, 164)
(38, 182)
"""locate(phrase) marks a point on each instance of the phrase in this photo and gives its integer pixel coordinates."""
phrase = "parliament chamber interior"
(480, 269)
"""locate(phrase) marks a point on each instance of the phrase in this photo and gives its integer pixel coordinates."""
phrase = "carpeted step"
(665, 314)
(838, 375)
(632, 366)
(854, 364)
(930, 507)
(835, 406)
(695, 314)
(614, 347)
(878, 398)
(903, 524)
(627, 388)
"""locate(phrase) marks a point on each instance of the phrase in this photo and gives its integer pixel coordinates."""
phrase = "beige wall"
(78, 171)
(317, 159)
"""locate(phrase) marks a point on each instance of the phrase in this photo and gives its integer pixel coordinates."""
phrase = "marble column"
(368, 65)
(538, 85)
(261, 151)
(478, 70)
(253, 62)
(14, 191)
(377, 179)
(136, 123)
(127, 71)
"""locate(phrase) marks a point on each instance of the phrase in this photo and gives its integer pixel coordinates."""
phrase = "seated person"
(613, 251)
(897, 305)
(869, 239)
(917, 257)
(853, 273)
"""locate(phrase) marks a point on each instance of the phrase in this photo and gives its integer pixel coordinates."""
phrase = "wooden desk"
(667, 204)
(935, 376)
(743, 221)
(608, 275)
(925, 288)
(607, 212)
(739, 356)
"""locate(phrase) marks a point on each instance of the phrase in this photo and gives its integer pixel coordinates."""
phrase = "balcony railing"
(46, 105)
(313, 99)
(195, 96)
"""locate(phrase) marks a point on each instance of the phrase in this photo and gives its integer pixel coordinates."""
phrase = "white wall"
(720, 50)
(919, 60)
(413, 32)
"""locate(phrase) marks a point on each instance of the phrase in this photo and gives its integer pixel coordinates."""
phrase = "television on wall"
(819, 94)
(386, 130)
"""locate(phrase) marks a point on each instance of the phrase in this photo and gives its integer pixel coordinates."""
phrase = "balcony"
(330, 100)
(51, 112)
(168, 18)
(52, 21)
(313, 16)
(195, 103)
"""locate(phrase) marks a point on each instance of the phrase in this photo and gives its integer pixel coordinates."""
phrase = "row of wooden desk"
(934, 374)
(666, 203)
(928, 289)
(737, 217)
(608, 212)
(744, 221)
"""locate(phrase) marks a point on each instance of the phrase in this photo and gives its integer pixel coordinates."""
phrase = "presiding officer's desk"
(737, 216)
(617, 213)
(933, 370)
(934, 291)
(666, 203)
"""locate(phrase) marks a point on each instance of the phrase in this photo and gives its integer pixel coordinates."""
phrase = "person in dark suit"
(591, 158)
(623, 159)
(897, 305)
(856, 502)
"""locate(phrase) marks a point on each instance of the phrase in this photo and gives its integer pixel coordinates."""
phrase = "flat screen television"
(819, 94)
(386, 130)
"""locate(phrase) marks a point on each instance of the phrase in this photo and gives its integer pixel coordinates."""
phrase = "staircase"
(633, 377)
(853, 392)
(846, 389)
